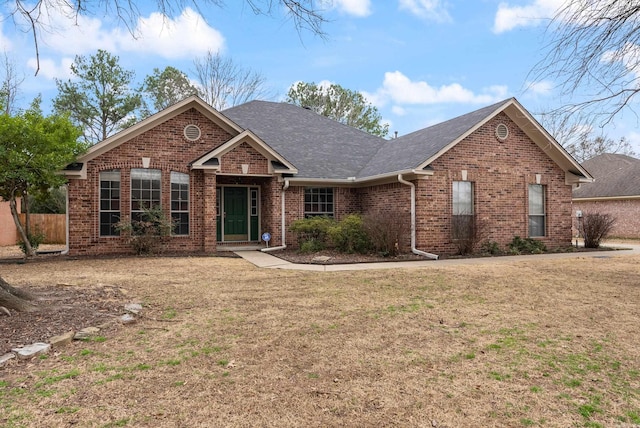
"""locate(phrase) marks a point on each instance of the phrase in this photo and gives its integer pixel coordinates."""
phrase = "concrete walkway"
(268, 261)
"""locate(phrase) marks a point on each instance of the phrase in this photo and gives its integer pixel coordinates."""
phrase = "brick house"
(227, 177)
(615, 191)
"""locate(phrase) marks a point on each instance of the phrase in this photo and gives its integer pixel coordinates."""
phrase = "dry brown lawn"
(549, 343)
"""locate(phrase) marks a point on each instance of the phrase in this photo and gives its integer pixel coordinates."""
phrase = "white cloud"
(543, 88)
(398, 111)
(434, 10)
(399, 89)
(538, 12)
(628, 55)
(186, 36)
(5, 43)
(70, 35)
(50, 69)
(359, 8)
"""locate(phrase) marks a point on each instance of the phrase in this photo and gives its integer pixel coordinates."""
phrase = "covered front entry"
(237, 215)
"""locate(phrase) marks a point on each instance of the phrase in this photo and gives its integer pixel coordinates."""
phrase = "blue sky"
(419, 61)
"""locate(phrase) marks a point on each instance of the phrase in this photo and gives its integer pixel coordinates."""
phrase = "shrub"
(312, 230)
(146, 235)
(35, 239)
(467, 232)
(595, 227)
(385, 231)
(491, 248)
(312, 246)
(526, 246)
(350, 236)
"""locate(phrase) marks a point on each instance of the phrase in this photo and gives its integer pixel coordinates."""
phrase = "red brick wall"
(231, 162)
(391, 201)
(270, 210)
(169, 151)
(501, 172)
(626, 213)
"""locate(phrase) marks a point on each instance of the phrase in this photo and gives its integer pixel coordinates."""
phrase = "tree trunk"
(21, 231)
(15, 298)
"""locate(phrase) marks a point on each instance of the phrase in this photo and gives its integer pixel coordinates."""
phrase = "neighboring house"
(615, 191)
(227, 177)
(8, 231)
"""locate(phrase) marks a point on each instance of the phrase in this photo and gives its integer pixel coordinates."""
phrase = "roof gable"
(158, 118)
(277, 163)
(419, 149)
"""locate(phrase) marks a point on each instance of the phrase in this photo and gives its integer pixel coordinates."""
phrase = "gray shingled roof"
(409, 151)
(317, 146)
(323, 148)
(615, 175)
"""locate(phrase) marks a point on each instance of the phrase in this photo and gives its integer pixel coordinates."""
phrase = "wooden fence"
(54, 226)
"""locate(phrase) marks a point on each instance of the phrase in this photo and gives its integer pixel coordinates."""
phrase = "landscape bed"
(223, 343)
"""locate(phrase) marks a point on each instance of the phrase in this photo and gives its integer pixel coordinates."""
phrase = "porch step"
(234, 248)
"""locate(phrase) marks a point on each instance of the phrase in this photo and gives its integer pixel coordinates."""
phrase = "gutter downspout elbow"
(282, 220)
(414, 250)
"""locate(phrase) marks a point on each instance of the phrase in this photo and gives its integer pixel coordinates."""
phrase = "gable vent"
(502, 132)
(191, 132)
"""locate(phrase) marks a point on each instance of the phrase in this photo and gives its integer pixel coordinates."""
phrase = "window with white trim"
(254, 202)
(145, 191)
(463, 211)
(537, 213)
(318, 201)
(180, 203)
(109, 202)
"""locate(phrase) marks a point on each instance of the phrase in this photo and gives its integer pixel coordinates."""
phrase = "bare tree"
(580, 139)
(595, 227)
(10, 89)
(223, 83)
(32, 16)
(594, 55)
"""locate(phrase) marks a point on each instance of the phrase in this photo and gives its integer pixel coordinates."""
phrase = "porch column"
(209, 221)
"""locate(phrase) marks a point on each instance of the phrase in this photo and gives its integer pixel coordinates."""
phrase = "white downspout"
(66, 200)
(282, 219)
(414, 250)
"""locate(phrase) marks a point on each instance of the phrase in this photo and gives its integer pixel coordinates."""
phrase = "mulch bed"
(336, 257)
(60, 308)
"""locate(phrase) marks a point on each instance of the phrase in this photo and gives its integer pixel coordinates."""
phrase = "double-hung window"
(537, 214)
(109, 202)
(318, 201)
(463, 213)
(145, 192)
(180, 203)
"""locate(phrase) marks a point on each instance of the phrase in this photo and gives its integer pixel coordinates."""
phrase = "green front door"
(236, 218)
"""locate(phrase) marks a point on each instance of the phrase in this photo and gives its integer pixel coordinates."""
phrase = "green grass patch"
(66, 409)
(50, 380)
(169, 314)
(118, 423)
